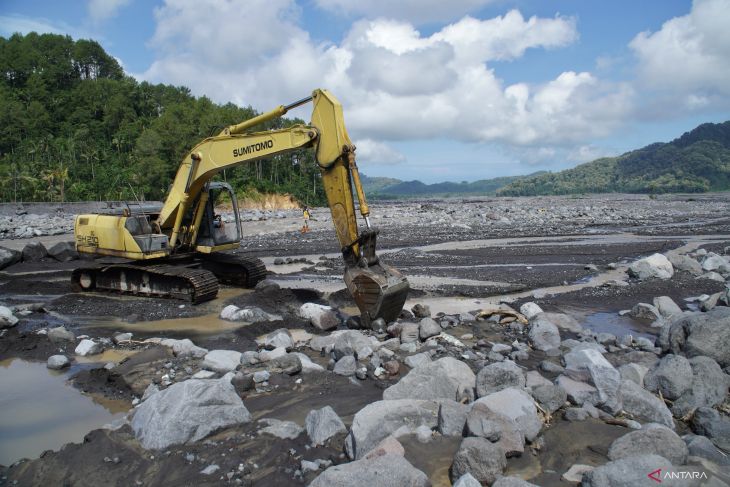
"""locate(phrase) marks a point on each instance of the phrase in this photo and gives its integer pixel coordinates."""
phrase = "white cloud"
(10, 24)
(372, 151)
(101, 10)
(689, 56)
(394, 82)
(416, 11)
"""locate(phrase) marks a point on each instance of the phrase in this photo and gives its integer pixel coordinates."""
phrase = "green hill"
(696, 162)
(394, 188)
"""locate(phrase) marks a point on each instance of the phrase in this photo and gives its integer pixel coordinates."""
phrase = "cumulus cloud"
(372, 151)
(412, 10)
(394, 82)
(101, 10)
(690, 55)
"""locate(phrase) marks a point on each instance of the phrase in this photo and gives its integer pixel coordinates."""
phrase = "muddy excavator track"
(234, 269)
(158, 280)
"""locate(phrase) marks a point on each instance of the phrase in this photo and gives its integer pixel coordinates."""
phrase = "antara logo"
(657, 476)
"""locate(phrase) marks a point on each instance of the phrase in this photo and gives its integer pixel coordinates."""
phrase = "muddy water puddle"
(41, 411)
(433, 458)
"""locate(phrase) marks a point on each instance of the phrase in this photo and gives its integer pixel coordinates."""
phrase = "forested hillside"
(698, 161)
(75, 127)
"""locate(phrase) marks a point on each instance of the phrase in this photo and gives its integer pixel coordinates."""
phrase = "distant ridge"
(696, 162)
(379, 187)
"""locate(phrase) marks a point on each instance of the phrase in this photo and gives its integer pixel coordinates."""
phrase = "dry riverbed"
(523, 353)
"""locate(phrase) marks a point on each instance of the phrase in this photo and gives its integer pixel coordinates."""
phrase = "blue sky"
(433, 90)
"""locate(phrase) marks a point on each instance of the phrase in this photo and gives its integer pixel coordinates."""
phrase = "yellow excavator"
(177, 251)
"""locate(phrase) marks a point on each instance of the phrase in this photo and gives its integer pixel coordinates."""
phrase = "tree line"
(77, 128)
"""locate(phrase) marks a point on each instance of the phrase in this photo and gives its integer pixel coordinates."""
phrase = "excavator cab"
(220, 227)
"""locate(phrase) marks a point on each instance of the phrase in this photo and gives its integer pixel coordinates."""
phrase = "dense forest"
(75, 127)
(696, 162)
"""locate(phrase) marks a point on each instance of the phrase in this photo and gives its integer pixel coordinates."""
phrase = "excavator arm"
(378, 290)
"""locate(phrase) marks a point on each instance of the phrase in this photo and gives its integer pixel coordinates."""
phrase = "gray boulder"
(696, 334)
(512, 482)
(709, 387)
(377, 420)
(346, 366)
(34, 252)
(186, 412)
(666, 306)
(651, 439)
(414, 361)
(643, 405)
(479, 457)
(8, 257)
(446, 378)
(380, 471)
(57, 362)
(323, 424)
(7, 319)
(517, 405)
(497, 376)
(250, 314)
(633, 372)
(628, 472)
(543, 333)
(222, 360)
(710, 423)
(671, 376)
(452, 418)
(655, 265)
(88, 347)
(286, 430)
(184, 347)
(320, 316)
(579, 393)
(702, 446)
(467, 480)
(550, 397)
(428, 328)
(278, 338)
(63, 252)
(563, 322)
(530, 309)
(497, 428)
(685, 263)
(348, 342)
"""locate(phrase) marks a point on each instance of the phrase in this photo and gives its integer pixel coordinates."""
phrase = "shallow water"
(40, 411)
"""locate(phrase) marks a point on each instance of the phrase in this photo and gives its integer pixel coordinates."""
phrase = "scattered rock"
(186, 412)
(579, 393)
(452, 418)
(543, 333)
(323, 424)
(414, 361)
(34, 252)
(700, 334)
(320, 316)
(286, 430)
(9, 257)
(380, 419)
(710, 423)
(421, 311)
(250, 314)
(346, 366)
(530, 309)
(633, 372)
(517, 405)
(379, 471)
(7, 319)
(701, 446)
(222, 360)
(88, 347)
(64, 251)
(550, 397)
(497, 376)
(644, 406)
(666, 306)
(627, 472)
(709, 387)
(57, 362)
(651, 439)
(685, 263)
(428, 328)
(446, 378)
(278, 338)
(671, 376)
(575, 473)
(656, 265)
(122, 337)
(184, 348)
(467, 480)
(479, 457)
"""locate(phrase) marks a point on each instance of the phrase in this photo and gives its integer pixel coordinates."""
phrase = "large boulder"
(250, 314)
(643, 405)
(63, 252)
(222, 360)
(685, 263)
(452, 417)
(671, 376)
(8, 257)
(708, 389)
(184, 347)
(550, 397)
(497, 428)
(651, 439)
(278, 338)
(186, 412)
(656, 265)
(57, 362)
(578, 363)
(578, 393)
(88, 347)
(530, 309)
(517, 405)
(544, 334)
(320, 316)
(484, 460)
(7, 319)
(380, 419)
(34, 252)
(590, 365)
(666, 306)
(563, 322)
(349, 342)
(323, 424)
(710, 423)
(446, 378)
(696, 334)
(629, 472)
(497, 376)
(379, 471)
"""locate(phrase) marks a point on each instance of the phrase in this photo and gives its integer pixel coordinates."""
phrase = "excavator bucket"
(379, 291)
